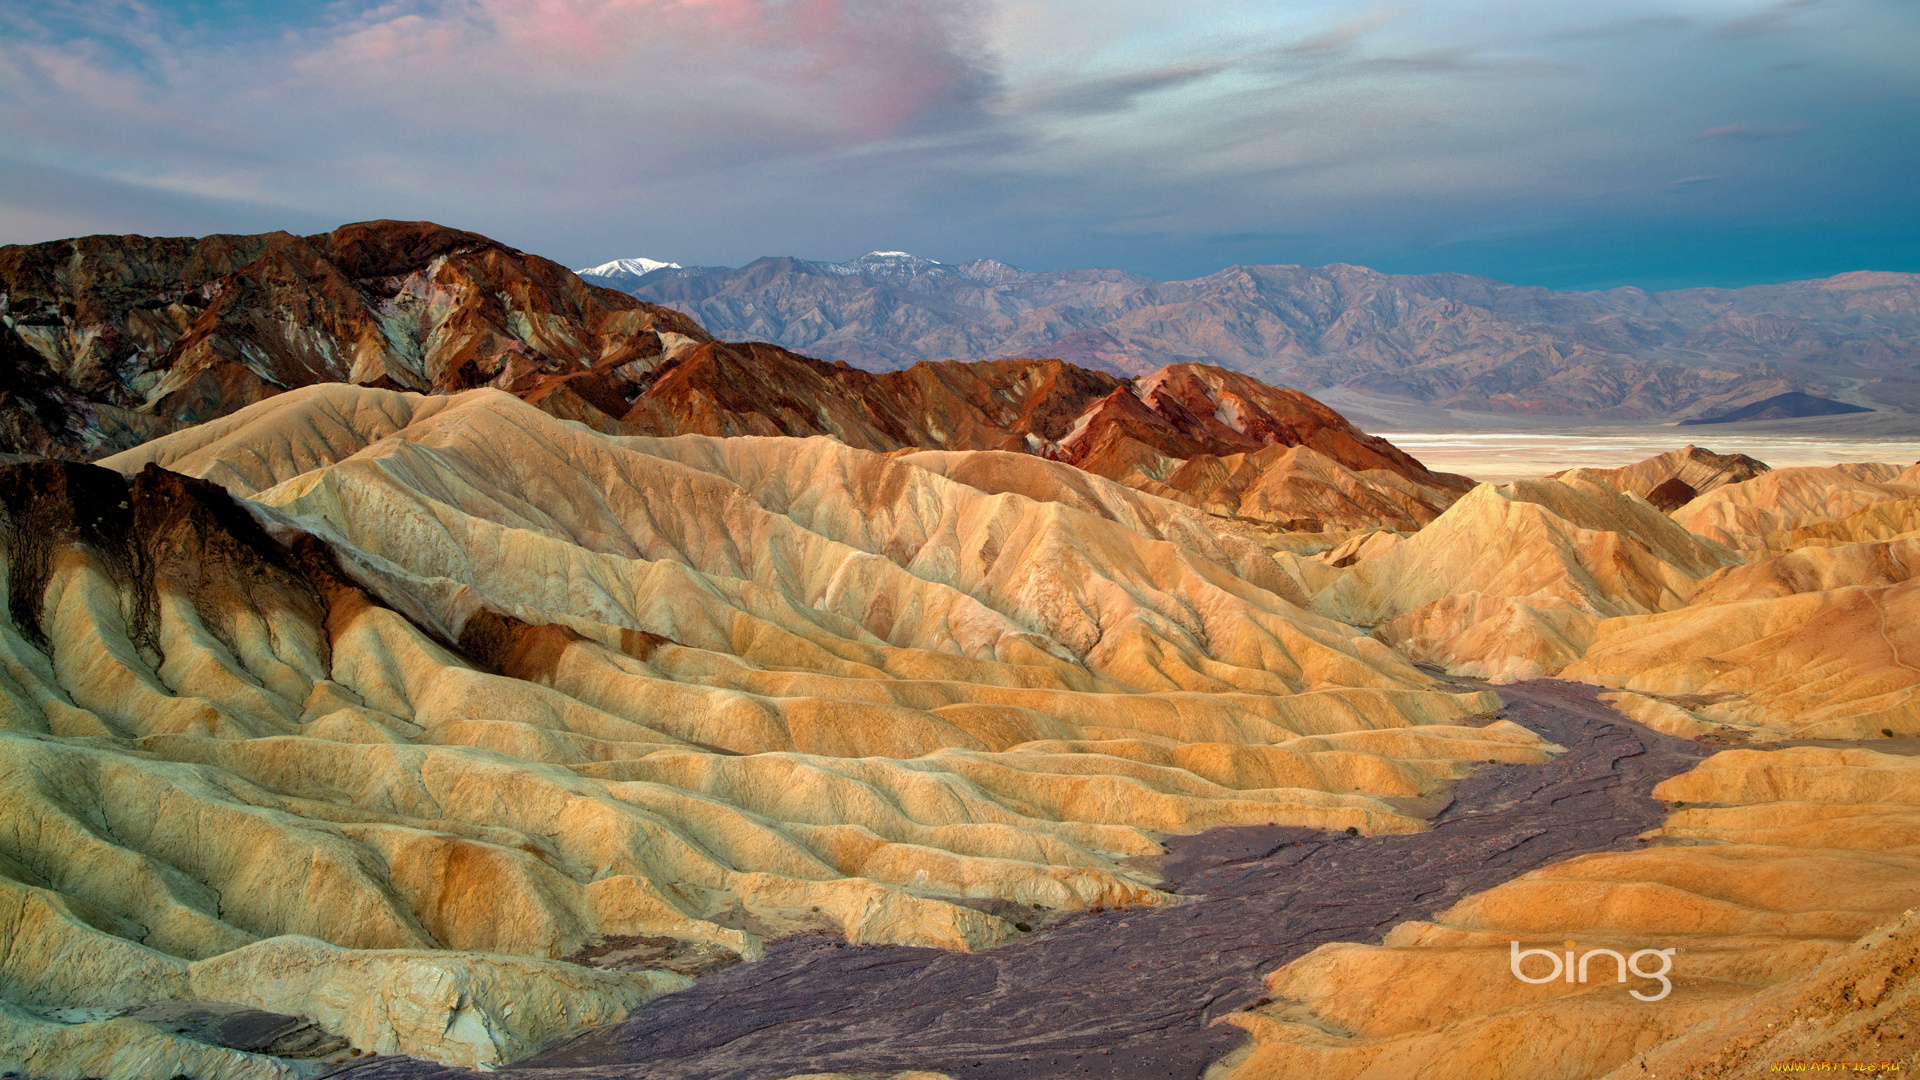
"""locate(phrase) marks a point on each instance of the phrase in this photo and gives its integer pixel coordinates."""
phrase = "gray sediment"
(1132, 994)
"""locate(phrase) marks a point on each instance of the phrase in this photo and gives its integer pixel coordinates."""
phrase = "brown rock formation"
(1675, 478)
(155, 333)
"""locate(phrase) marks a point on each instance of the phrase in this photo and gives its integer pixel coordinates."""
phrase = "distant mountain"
(1448, 340)
(624, 274)
(1780, 407)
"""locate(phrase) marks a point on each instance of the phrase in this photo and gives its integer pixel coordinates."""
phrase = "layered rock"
(113, 340)
(142, 335)
(1204, 436)
(1511, 582)
(1761, 601)
(1790, 507)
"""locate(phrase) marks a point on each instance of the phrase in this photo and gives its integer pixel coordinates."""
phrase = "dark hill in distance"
(1781, 407)
(1447, 340)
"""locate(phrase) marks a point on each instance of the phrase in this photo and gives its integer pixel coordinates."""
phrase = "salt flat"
(1500, 456)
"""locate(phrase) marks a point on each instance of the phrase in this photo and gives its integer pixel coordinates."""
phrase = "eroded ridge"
(1133, 993)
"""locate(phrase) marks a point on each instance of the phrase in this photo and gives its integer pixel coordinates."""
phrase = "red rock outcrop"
(148, 334)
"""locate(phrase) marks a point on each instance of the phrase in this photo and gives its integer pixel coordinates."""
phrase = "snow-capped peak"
(886, 264)
(636, 267)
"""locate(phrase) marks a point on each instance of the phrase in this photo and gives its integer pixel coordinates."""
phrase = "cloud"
(1459, 60)
(1745, 133)
(1117, 93)
(1767, 20)
(1631, 28)
(1044, 132)
(1342, 37)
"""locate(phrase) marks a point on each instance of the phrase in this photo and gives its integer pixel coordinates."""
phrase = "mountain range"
(1446, 340)
(110, 341)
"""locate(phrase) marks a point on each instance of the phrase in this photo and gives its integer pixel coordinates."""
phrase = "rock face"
(1200, 435)
(1512, 582)
(461, 688)
(1775, 603)
(1445, 339)
(136, 336)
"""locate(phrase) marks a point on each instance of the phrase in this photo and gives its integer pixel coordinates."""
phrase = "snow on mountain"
(642, 265)
(624, 274)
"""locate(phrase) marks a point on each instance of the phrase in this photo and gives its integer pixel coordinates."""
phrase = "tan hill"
(1452, 340)
(1576, 577)
(1677, 477)
(462, 689)
(1815, 644)
(1760, 515)
(1724, 885)
(1511, 581)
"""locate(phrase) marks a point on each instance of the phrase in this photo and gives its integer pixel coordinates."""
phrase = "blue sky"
(1564, 144)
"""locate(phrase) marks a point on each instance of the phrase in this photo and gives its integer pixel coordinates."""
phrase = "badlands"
(478, 668)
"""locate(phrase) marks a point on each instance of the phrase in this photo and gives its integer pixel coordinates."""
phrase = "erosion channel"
(1130, 994)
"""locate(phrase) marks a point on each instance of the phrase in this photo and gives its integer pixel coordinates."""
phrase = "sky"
(1567, 144)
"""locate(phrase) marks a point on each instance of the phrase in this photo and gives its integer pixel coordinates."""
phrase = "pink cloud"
(838, 70)
(1747, 133)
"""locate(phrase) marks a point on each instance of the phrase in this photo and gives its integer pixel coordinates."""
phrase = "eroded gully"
(1131, 994)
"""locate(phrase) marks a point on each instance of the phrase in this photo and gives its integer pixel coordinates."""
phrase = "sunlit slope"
(490, 685)
(1781, 603)
(1511, 581)
(1777, 864)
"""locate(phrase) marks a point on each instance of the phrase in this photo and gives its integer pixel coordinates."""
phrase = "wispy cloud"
(1056, 132)
(1343, 37)
(1767, 20)
(1116, 93)
(1747, 133)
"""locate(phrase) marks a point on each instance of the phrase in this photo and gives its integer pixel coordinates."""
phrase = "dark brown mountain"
(1786, 406)
(109, 340)
(1450, 340)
